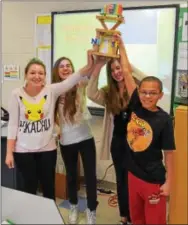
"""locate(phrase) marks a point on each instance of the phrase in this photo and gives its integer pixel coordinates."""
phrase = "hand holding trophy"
(105, 44)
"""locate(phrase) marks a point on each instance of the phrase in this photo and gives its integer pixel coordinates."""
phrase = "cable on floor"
(99, 181)
(113, 201)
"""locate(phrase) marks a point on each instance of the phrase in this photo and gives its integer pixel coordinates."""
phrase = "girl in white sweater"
(30, 141)
(76, 137)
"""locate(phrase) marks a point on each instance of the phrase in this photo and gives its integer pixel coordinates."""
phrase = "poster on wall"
(11, 73)
(182, 87)
(181, 93)
(185, 27)
(43, 41)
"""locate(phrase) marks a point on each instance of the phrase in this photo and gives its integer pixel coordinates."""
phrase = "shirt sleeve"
(168, 140)
(13, 123)
(64, 86)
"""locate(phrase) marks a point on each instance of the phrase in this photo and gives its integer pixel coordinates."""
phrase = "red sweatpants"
(146, 205)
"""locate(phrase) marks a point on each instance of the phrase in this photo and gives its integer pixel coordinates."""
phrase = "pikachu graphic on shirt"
(34, 111)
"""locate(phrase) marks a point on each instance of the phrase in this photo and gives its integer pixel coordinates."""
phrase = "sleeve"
(84, 82)
(64, 86)
(168, 140)
(93, 93)
(134, 100)
(13, 123)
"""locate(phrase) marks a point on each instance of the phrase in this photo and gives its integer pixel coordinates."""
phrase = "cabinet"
(10, 178)
(178, 199)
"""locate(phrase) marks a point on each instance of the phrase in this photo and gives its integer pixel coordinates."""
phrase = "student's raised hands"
(101, 60)
(90, 58)
(87, 69)
(118, 39)
(125, 65)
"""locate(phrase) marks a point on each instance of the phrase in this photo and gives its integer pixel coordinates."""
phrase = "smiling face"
(149, 94)
(65, 69)
(35, 75)
(116, 71)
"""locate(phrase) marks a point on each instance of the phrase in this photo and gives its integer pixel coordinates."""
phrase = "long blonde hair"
(69, 108)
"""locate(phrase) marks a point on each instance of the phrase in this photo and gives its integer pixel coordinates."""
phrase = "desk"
(23, 208)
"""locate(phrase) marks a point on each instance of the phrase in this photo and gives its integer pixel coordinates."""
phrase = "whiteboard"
(148, 33)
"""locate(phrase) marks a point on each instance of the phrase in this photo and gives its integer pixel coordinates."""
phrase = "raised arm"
(83, 83)
(93, 93)
(71, 81)
(65, 85)
(126, 68)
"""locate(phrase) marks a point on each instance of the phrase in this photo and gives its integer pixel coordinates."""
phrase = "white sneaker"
(73, 214)
(91, 216)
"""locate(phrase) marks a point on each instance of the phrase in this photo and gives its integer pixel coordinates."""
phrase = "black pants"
(87, 151)
(35, 168)
(118, 152)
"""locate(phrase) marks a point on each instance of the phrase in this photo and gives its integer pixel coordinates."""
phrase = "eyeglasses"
(145, 93)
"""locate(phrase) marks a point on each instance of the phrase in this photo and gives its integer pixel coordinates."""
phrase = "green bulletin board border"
(178, 100)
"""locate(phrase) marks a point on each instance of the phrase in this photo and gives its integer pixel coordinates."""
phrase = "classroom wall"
(18, 47)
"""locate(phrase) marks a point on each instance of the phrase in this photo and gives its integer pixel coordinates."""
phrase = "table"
(24, 208)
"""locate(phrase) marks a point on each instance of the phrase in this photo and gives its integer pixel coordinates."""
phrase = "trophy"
(104, 44)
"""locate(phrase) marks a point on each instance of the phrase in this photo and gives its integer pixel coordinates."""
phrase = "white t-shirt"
(80, 130)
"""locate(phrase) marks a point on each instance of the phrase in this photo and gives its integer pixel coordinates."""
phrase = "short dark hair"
(152, 78)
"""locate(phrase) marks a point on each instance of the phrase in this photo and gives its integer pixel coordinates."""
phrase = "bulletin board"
(181, 93)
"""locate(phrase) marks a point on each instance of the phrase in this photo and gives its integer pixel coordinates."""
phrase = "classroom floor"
(106, 213)
(107, 210)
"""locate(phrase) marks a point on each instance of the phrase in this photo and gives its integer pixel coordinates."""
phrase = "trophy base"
(106, 55)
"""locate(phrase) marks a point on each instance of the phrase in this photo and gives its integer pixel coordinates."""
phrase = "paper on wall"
(11, 72)
(43, 31)
(185, 27)
(44, 54)
(43, 41)
(182, 56)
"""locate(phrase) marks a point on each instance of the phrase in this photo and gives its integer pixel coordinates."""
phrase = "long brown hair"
(69, 108)
(114, 102)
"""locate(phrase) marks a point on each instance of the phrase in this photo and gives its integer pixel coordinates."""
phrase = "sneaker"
(73, 214)
(91, 216)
